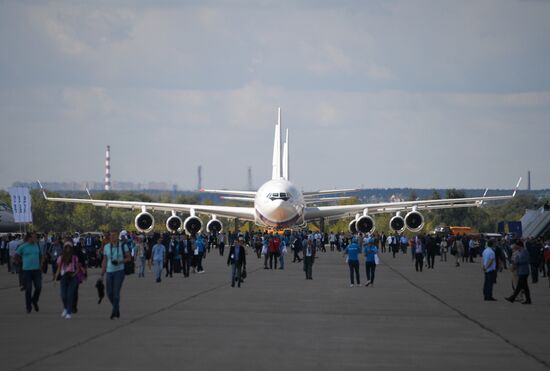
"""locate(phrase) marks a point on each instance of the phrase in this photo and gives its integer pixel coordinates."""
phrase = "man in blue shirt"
(370, 252)
(28, 255)
(489, 267)
(200, 250)
(115, 254)
(158, 256)
(352, 251)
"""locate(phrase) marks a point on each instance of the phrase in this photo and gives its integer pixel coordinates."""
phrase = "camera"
(114, 262)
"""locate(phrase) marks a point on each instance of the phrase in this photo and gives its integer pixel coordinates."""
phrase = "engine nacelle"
(192, 225)
(144, 222)
(352, 227)
(364, 224)
(414, 221)
(174, 224)
(214, 225)
(397, 224)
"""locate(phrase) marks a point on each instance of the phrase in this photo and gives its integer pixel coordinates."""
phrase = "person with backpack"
(68, 270)
(115, 255)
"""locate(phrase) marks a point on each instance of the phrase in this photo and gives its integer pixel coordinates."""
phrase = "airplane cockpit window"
(279, 196)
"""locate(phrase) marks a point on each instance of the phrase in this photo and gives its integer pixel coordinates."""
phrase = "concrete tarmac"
(279, 321)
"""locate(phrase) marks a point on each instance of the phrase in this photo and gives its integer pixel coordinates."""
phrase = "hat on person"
(122, 233)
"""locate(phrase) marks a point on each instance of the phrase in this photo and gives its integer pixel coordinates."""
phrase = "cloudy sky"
(375, 93)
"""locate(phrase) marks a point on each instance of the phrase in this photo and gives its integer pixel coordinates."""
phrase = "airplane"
(278, 204)
(7, 223)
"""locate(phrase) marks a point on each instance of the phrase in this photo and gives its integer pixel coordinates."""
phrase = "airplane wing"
(244, 213)
(328, 192)
(229, 192)
(343, 211)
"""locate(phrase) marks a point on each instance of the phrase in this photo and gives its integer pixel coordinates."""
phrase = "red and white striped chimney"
(108, 169)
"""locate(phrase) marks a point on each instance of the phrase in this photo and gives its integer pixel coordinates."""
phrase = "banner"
(21, 204)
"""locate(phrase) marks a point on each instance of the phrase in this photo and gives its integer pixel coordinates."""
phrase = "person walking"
(458, 248)
(308, 253)
(265, 249)
(158, 256)
(186, 255)
(431, 248)
(443, 249)
(200, 251)
(237, 259)
(546, 255)
(283, 251)
(418, 249)
(28, 257)
(522, 264)
(274, 252)
(514, 269)
(490, 270)
(140, 253)
(296, 248)
(115, 255)
(352, 252)
(68, 268)
(370, 251)
(221, 242)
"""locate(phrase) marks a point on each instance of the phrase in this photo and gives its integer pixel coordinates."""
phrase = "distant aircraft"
(278, 204)
(7, 223)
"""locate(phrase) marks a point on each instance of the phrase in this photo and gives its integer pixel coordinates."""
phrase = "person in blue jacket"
(370, 250)
(200, 249)
(352, 251)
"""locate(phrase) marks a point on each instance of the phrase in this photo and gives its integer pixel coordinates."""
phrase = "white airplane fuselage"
(279, 204)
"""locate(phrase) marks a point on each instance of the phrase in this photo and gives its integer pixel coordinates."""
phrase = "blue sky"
(375, 94)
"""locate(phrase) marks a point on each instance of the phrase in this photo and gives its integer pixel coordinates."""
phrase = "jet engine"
(397, 224)
(352, 227)
(414, 221)
(174, 224)
(214, 225)
(192, 225)
(144, 222)
(364, 224)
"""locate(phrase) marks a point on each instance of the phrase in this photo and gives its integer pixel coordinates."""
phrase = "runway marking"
(468, 318)
(130, 322)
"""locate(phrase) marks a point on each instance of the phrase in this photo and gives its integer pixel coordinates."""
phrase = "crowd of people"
(68, 258)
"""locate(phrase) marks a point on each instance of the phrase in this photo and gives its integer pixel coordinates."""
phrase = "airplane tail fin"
(285, 157)
(276, 174)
